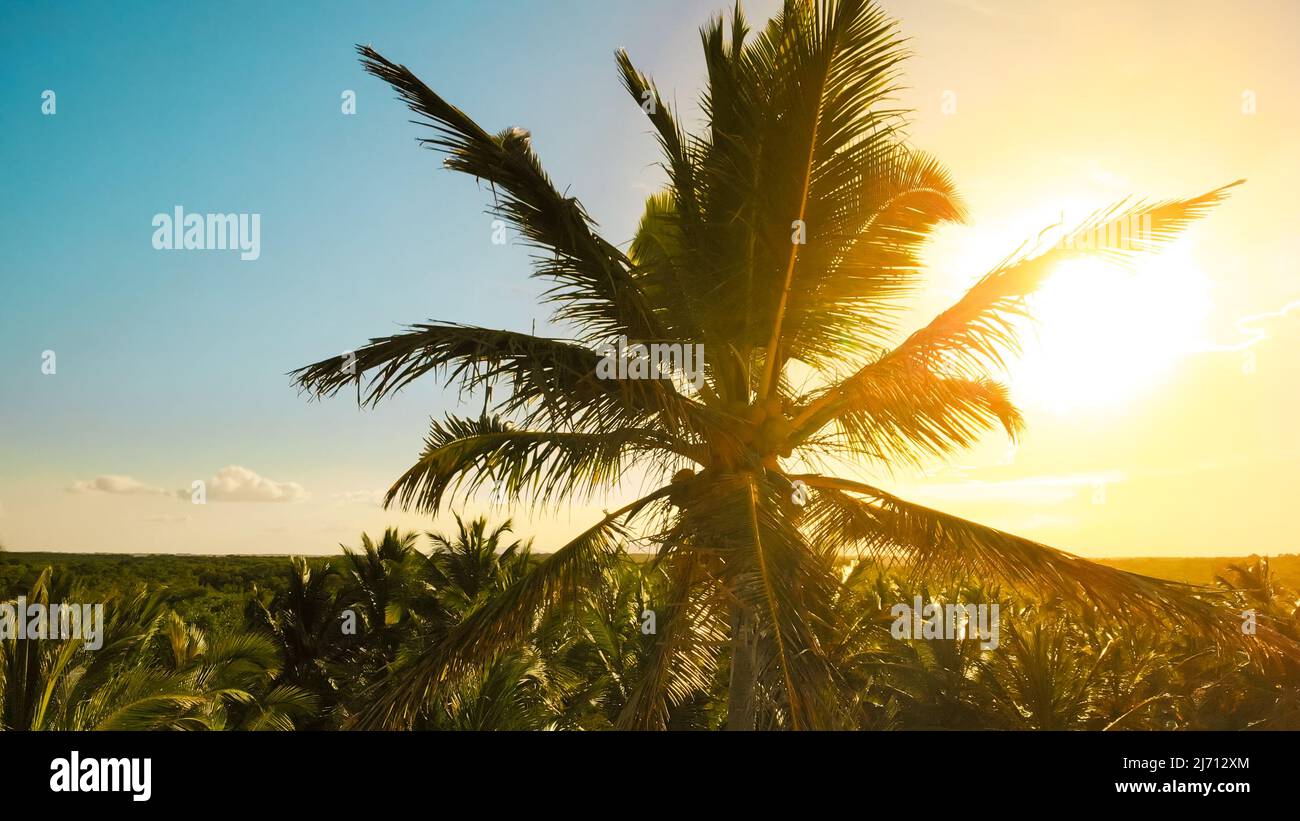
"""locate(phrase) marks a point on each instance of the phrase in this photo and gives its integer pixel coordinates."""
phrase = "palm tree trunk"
(742, 706)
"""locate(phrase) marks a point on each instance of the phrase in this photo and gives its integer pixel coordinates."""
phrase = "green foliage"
(593, 659)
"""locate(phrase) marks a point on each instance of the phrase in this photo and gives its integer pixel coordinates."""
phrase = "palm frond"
(464, 454)
(936, 544)
(980, 329)
(824, 68)
(910, 413)
(553, 383)
(594, 288)
(685, 655)
(862, 259)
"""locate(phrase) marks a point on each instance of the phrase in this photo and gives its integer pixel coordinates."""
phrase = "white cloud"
(1250, 324)
(1258, 327)
(374, 497)
(120, 485)
(239, 484)
(1040, 521)
(1042, 490)
(975, 6)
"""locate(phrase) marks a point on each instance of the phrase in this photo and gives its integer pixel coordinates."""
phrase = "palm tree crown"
(786, 241)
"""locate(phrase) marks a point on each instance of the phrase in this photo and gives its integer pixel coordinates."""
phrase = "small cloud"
(1258, 327)
(975, 6)
(118, 485)
(239, 484)
(1042, 490)
(373, 497)
(1040, 521)
(1108, 178)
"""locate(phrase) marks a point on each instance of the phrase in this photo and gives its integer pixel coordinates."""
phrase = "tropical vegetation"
(292, 663)
(785, 242)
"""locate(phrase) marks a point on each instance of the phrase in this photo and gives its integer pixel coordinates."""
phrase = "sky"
(1160, 408)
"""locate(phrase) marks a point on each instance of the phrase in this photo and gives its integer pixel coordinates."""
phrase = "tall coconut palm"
(785, 242)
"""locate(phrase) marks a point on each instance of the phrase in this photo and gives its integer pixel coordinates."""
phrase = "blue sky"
(171, 365)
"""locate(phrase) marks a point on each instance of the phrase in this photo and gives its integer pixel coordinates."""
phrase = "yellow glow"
(1103, 335)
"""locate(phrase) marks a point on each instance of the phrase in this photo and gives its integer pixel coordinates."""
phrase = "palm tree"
(151, 671)
(786, 239)
(305, 624)
(475, 563)
(378, 577)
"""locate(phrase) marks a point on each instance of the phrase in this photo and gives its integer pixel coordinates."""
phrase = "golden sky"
(1160, 419)
(1160, 403)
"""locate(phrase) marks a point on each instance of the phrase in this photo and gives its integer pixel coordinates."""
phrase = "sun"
(1103, 335)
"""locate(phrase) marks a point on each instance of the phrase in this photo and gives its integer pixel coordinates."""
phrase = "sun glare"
(1103, 334)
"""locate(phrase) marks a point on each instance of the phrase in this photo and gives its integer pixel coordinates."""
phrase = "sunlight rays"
(1103, 336)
